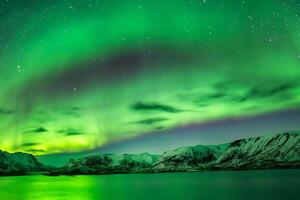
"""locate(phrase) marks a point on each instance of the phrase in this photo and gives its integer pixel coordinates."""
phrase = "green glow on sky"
(77, 75)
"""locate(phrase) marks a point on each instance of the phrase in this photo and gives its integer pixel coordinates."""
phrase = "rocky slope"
(190, 157)
(18, 163)
(109, 163)
(278, 151)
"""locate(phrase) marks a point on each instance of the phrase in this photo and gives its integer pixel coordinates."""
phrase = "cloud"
(227, 93)
(160, 128)
(40, 130)
(35, 150)
(154, 107)
(266, 91)
(72, 111)
(217, 95)
(5, 111)
(151, 121)
(29, 144)
(71, 132)
(37, 130)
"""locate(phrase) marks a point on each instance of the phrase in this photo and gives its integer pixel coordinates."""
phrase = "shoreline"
(158, 172)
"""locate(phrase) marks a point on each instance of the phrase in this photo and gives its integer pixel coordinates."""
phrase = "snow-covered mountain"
(18, 163)
(267, 152)
(110, 163)
(278, 151)
(190, 157)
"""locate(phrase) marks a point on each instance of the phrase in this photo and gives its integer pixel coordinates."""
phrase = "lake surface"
(252, 185)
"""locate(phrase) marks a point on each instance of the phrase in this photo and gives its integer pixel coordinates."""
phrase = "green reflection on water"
(44, 188)
(273, 184)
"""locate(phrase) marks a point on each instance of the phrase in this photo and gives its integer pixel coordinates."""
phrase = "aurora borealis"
(77, 75)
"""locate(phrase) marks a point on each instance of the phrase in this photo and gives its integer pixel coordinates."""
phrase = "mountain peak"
(281, 150)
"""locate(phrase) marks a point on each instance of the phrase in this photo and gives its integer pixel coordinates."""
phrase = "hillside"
(109, 163)
(18, 163)
(268, 152)
(278, 151)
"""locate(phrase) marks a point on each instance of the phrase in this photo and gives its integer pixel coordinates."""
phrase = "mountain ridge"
(281, 150)
(18, 163)
(266, 152)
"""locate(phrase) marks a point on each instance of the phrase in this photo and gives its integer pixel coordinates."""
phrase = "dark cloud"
(40, 130)
(159, 128)
(154, 107)
(71, 132)
(29, 144)
(217, 95)
(202, 100)
(37, 130)
(35, 150)
(75, 108)
(72, 111)
(266, 91)
(5, 111)
(263, 90)
(151, 121)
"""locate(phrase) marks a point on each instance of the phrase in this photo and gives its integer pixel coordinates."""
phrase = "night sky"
(85, 75)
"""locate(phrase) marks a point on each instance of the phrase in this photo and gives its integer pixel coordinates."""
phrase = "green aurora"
(76, 75)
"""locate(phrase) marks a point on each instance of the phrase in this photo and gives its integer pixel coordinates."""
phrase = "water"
(254, 185)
